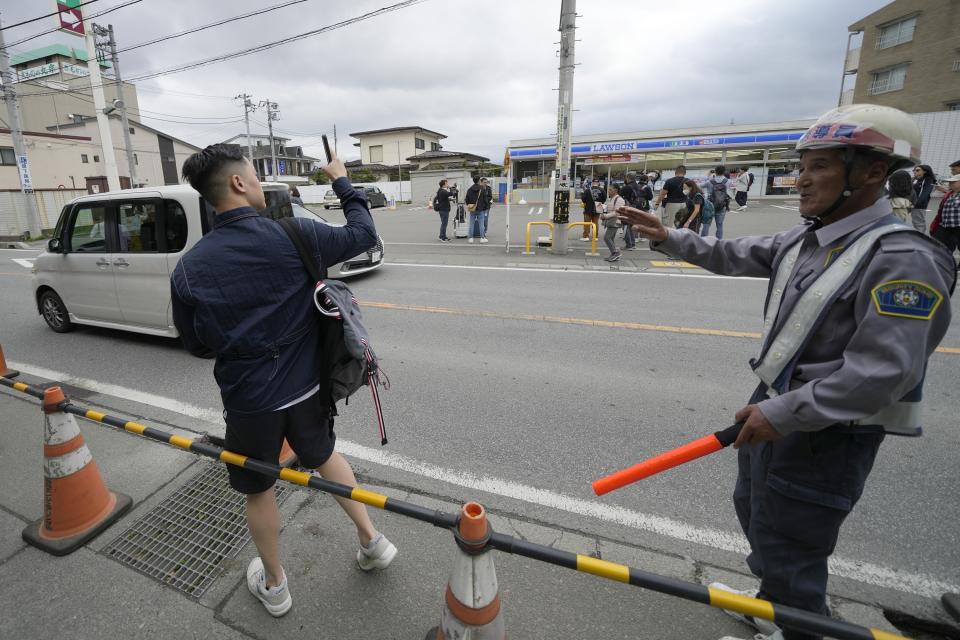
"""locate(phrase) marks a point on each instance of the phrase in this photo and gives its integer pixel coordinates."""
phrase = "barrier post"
(532, 224)
(77, 506)
(5, 371)
(472, 602)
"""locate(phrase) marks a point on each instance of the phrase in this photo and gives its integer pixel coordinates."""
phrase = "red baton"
(675, 457)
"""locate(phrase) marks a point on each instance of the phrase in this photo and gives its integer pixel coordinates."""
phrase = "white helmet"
(883, 129)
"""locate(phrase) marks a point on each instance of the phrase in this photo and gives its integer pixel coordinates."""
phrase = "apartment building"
(906, 55)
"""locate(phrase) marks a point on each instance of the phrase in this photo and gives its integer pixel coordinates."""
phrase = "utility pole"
(248, 108)
(119, 103)
(19, 149)
(335, 150)
(560, 198)
(99, 103)
(271, 116)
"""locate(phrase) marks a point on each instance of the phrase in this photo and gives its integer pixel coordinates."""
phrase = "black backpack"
(718, 195)
(343, 367)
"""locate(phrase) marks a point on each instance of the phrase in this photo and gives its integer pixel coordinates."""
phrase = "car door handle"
(102, 262)
(120, 262)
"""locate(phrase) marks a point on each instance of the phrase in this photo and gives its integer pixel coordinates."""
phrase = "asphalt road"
(496, 376)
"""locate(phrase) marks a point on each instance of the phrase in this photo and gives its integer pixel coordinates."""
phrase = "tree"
(320, 178)
(363, 175)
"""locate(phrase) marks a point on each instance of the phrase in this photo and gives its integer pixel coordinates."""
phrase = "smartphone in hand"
(326, 148)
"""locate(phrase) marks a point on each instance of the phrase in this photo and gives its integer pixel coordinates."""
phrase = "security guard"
(857, 303)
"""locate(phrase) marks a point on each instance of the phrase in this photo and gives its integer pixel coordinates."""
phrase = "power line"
(55, 13)
(265, 46)
(86, 19)
(208, 26)
(277, 43)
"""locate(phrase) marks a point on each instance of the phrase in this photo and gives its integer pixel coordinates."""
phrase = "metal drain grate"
(185, 541)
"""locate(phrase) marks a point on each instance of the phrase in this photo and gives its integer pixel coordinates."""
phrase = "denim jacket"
(243, 293)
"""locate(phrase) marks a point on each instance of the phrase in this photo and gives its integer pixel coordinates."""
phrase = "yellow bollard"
(593, 235)
(529, 226)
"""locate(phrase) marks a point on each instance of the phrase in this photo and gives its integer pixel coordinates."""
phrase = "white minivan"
(109, 261)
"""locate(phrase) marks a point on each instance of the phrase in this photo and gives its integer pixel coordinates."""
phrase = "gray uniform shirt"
(860, 360)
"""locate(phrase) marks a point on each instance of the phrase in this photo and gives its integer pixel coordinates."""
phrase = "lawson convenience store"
(765, 149)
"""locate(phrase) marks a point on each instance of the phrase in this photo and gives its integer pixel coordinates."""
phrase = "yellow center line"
(611, 324)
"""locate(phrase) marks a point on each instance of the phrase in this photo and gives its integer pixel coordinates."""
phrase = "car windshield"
(303, 212)
(331, 193)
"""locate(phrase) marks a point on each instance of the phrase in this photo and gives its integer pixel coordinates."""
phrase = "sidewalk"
(91, 595)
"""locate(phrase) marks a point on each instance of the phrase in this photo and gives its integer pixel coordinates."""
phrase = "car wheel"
(55, 312)
(327, 207)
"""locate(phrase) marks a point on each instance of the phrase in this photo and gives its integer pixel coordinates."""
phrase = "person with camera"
(441, 204)
(242, 292)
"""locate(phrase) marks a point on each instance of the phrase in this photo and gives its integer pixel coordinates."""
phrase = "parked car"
(109, 261)
(375, 197)
(330, 200)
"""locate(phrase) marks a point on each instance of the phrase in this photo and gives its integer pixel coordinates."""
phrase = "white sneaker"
(378, 555)
(470, 240)
(484, 241)
(582, 239)
(276, 600)
(761, 625)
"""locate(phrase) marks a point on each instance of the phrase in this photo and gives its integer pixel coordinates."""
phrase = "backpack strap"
(293, 230)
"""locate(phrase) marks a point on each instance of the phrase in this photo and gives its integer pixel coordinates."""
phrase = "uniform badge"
(832, 255)
(906, 299)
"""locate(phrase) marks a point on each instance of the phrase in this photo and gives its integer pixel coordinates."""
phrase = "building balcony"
(852, 62)
(846, 98)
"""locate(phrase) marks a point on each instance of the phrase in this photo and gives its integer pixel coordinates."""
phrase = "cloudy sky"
(480, 72)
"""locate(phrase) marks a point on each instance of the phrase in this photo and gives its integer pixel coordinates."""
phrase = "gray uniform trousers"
(791, 497)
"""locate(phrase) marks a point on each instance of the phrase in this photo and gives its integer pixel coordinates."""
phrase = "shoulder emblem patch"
(906, 299)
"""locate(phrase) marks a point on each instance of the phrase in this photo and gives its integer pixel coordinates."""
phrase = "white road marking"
(877, 575)
(530, 213)
(26, 264)
(592, 271)
(540, 211)
(786, 208)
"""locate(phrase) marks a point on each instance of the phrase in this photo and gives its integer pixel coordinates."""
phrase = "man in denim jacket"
(243, 293)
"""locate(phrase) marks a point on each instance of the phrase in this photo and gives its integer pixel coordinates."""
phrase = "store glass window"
(783, 171)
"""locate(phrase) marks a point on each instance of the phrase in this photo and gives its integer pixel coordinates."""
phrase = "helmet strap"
(848, 155)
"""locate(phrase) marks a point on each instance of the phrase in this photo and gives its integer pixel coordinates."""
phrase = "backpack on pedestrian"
(719, 197)
(706, 216)
(346, 359)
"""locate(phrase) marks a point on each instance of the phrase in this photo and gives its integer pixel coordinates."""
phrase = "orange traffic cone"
(472, 607)
(77, 505)
(287, 456)
(5, 371)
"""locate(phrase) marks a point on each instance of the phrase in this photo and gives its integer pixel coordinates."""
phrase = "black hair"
(721, 170)
(615, 187)
(955, 164)
(205, 170)
(476, 179)
(901, 184)
(928, 172)
(443, 182)
(643, 179)
(295, 192)
(680, 169)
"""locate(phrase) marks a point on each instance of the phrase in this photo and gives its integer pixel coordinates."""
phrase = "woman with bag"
(923, 183)
(690, 219)
(441, 204)
(608, 215)
(900, 189)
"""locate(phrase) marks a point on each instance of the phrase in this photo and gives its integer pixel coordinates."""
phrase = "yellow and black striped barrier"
(779, 614)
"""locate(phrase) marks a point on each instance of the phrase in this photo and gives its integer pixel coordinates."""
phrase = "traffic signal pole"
(99, 104)
(561, 180)
(120, 103)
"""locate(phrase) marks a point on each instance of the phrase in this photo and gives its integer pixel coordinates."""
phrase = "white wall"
(941, 139)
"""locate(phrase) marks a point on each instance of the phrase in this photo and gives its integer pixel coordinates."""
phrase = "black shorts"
(307, 426)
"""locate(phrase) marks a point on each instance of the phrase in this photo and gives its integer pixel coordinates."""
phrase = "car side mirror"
(54, 245)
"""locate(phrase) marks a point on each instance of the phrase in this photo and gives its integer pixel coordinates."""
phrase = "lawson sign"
(629, 146)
